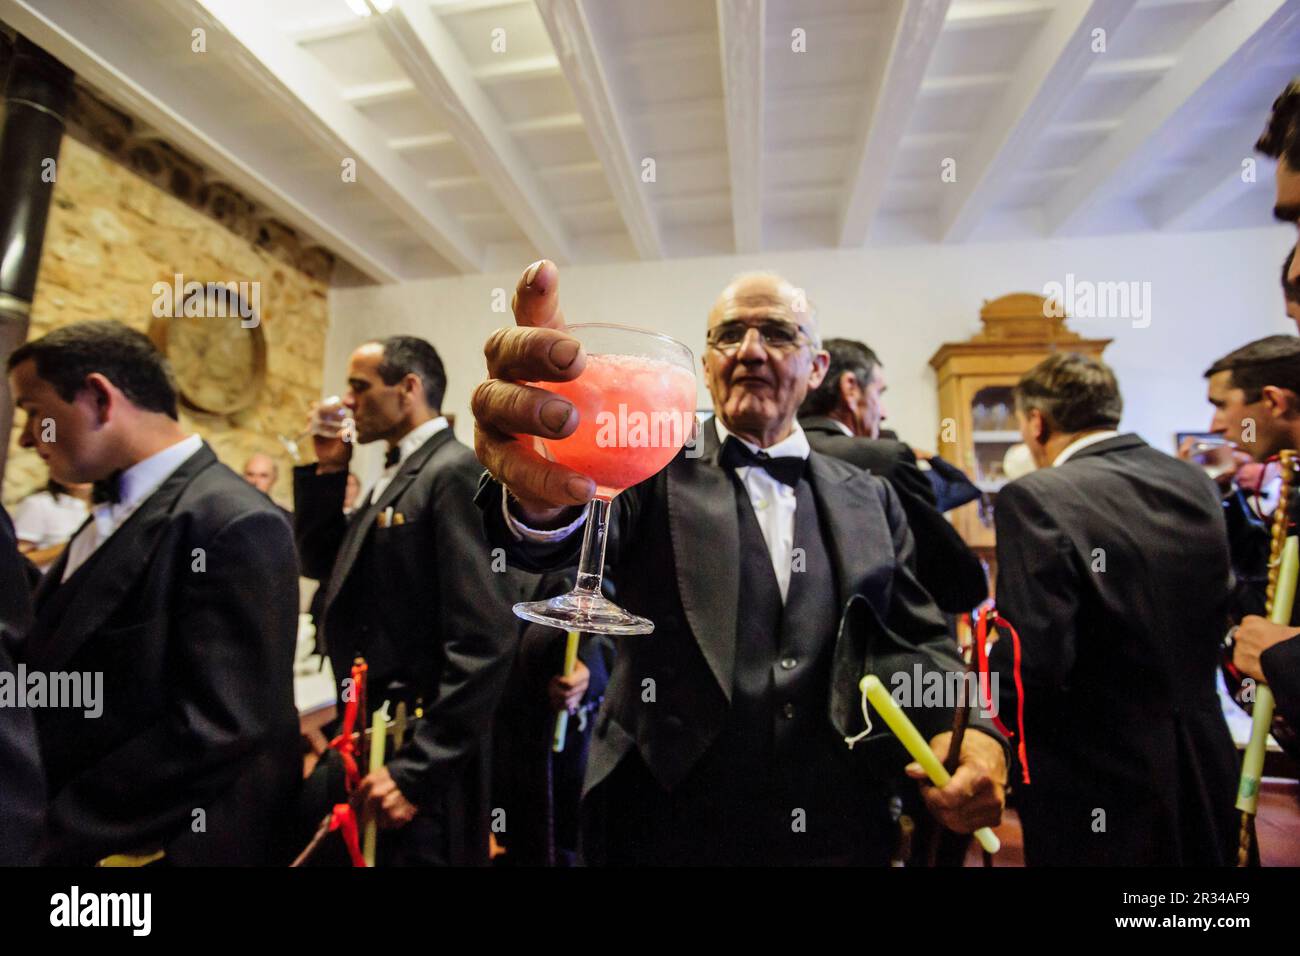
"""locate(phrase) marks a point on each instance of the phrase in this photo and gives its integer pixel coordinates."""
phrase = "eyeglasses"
(776, 336)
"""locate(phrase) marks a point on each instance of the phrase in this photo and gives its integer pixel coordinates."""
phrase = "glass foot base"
(583, 611)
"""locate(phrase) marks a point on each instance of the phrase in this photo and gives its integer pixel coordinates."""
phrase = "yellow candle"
(916, 745)
(562, 718)
(1252, 764)
(378, 735)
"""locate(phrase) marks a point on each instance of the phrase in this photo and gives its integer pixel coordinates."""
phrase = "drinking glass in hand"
(329, 419)
(635, 402)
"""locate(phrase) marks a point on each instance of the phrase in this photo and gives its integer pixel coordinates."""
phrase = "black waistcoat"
(778, 785)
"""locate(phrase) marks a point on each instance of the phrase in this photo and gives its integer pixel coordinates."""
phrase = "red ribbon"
(982, 667)
(344, 818)
(345, 743)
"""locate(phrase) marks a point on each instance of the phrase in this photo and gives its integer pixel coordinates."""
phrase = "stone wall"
(111, 236)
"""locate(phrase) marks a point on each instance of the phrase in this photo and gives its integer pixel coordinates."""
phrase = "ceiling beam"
(996, 13)
(304, 89)
(1050, 70)
(1220, 53)
(100, 47)
(519, 71)
(916, 28)
(575, 46)
(385, 91)
(428, 53)
(1195, 196)
(740, 36)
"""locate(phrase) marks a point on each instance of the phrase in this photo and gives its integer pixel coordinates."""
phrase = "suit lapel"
(705, 539)
(71, 612)
(50, 581)
(839, 499)
(355, 536)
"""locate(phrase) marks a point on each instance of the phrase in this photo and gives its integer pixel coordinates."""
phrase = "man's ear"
(849, 389)
(100, 395)
(1038, 426)
(412, 388)
(821, 362)
(1281, 402)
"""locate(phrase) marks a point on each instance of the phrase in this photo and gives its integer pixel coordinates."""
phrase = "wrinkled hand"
(1254, 636)
(508, 412)
(377, 795)
(976, 793)
(566, 693)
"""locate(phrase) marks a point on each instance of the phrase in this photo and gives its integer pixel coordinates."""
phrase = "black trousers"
(630, 820)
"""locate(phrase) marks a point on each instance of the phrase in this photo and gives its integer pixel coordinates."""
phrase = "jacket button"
(674, 723)
(787, 711)
(788, 663)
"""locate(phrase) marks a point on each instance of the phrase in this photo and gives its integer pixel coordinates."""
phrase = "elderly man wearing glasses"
(775, 576)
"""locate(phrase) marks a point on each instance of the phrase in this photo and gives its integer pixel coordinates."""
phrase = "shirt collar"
(1079, 444)
(794, 445)
(143, 478)
(417, 436)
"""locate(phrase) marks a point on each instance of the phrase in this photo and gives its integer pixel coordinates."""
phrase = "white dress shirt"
(1079, 444)
(410, 444)
(773, 502)
(136, 484)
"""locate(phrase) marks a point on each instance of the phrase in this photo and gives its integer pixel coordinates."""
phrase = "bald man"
(775, 577)
(262, 473)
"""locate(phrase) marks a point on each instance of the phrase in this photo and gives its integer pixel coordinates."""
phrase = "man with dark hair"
(181, 591)
(1113, 568)
(842, 418)
(1281, 141)
(406, 354)
(409, 583)
(1291, 290)
(1255, 391)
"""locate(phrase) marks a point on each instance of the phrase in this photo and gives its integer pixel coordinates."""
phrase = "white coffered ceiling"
(486, 133)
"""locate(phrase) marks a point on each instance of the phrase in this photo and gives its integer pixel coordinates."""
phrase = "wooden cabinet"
(977, 420)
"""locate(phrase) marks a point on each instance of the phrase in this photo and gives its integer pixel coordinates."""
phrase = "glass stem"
(591, 565)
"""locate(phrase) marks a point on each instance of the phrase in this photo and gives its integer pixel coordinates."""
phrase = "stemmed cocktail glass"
(635, 402)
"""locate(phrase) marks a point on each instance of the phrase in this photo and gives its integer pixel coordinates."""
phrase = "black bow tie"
(392, 456)
(107, 489)
(787, 469)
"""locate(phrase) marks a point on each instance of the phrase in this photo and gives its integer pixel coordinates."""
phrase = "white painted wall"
(1210, 292)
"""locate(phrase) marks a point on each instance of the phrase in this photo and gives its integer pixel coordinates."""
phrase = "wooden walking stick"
(1283, 563)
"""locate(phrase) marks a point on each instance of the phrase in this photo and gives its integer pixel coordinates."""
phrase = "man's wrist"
(540, 519)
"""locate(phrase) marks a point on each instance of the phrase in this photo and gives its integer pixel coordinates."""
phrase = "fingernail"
(555, 413)
(579, 487)
(531, 274)
(564, 352)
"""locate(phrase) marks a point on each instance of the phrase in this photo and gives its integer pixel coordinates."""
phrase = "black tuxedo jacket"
(190, 612)
(429, 604)
(946, 567)
(674, 550)
(1114, 569)
(22, 785)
